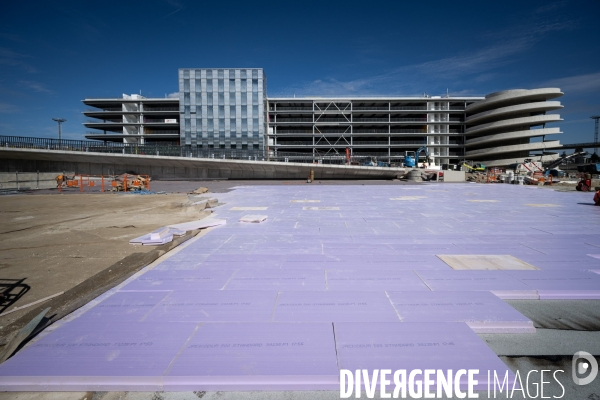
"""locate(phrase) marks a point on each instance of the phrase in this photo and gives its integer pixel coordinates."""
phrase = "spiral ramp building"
(507, 126)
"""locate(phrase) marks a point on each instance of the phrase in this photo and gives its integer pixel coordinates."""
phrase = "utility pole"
(596, 118)
(61, 120)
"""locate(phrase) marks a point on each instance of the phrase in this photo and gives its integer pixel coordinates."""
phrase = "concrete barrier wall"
(188, 169)
(163, 167)
(156, 172)
(28, 180)
(454, 176)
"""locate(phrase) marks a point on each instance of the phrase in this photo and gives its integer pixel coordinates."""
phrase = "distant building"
(223, 108)
(134, 120)
(228, 110)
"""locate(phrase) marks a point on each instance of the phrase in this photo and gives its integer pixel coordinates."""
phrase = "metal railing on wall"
(336, 155)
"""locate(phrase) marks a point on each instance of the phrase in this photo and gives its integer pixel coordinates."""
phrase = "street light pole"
(60, 121)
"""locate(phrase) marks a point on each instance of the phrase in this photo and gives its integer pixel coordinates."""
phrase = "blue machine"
(412, 159)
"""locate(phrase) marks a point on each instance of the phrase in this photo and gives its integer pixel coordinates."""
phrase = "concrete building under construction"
(228, 109)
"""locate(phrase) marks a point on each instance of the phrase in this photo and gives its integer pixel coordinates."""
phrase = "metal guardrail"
(331, 156)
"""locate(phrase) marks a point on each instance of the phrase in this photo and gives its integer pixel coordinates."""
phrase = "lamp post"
(60, 121)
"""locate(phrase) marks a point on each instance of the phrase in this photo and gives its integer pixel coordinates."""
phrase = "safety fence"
(103, 183)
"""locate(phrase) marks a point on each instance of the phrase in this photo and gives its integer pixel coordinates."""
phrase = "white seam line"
(274, 307)
(181, 349)
(392, 304)
(230, 278)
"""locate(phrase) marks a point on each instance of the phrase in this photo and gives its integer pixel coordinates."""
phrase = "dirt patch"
(51, 243)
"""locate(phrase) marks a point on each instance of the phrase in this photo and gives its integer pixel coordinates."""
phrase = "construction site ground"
(58, 240)
(54, 242)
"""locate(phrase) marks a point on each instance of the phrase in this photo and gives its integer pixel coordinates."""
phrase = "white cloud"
(576, 84)
(410, 78)
(35, 86)
(443, 72)
(6, 108)
(174, 95)
(14, 59)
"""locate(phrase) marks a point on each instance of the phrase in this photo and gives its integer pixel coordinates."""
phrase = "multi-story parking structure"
(369, 127)
(133, 120)
(225, 112)
(509, 126)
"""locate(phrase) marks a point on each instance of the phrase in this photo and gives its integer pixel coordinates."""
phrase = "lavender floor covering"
(352, 280)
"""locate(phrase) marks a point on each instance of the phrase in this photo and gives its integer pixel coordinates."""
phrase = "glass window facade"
(230, 107)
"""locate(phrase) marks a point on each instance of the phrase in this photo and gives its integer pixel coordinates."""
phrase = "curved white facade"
(508, 112)
(502, 129)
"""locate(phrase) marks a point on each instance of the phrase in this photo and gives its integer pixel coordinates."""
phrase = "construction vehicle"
(475, 167)
(411, 159)
(585, 184)
(551, 168)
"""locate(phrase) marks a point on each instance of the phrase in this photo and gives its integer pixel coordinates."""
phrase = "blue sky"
(54, 54)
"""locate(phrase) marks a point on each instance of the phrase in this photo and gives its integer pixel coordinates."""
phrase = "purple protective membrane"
(198, 279)
(277, 279)
(257, 356)
(369, 246)
(214, 306)
(482, 311)
(498, 282)
(334, 306)
(416, 345)
(561, 284)
(83, 355)
(125, 306)
(374, 280)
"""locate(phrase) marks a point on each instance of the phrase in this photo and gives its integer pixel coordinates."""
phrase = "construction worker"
(60, 180)
(585, 184)
(597, 198)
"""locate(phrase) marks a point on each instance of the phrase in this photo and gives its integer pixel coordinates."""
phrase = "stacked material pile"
(255, 218)
(165, 234)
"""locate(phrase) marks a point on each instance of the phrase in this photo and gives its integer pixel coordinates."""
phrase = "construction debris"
(209, 202)
(160, 236)
(199, 224)
(165, 234)
(128, 182)
(200, 190)
(254, 218)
